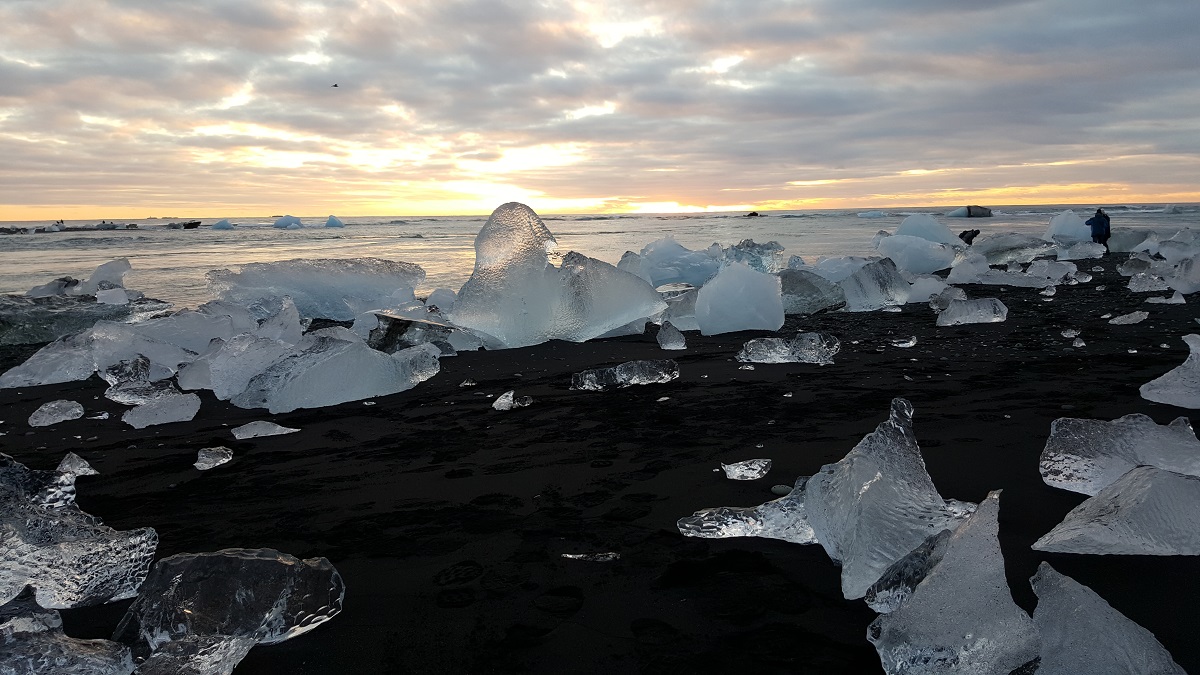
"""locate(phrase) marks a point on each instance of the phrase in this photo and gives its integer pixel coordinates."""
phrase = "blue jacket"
(1099, 225)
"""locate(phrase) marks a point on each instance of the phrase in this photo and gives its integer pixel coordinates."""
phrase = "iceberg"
(223, 224)
(625, 375)
(1181, 385)
(260, 428)
(55, 412)
(818, 348)
(875, 285)
(1081, 633)
(1089, 455)
(739, 298)
(981, 310)
(334, 221)
(806, 292)
(288, 222)
(208, 458)
(670, 338)
(961, 617)
(750, 469)
(1147, 511)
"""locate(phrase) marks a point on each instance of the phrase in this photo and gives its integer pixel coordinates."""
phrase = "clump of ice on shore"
(1181, 385)
(1175, 299)
(74, 464)
(1088, 455)
(818, 348)
(874, 285)
(666, 261)
(916, 254)
(1067, 226)
(760, 257)
(55, 412)
(982, 310)
(288, 222)
(208, 458)
(32, 642)
(670, 338)
(509, 400)
(1144, 282)
(750, 469)
(625, 375)
(1002, 248)
(178, 408)
(806, 292)
(739, 298)
(259, 428)
(1130, 318)
(334, 221)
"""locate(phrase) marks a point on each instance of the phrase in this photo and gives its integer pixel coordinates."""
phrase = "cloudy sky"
(130, 108)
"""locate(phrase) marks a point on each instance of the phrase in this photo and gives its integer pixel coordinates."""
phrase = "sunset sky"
(208, 108)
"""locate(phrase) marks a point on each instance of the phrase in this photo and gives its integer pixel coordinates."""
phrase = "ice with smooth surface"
(55, 412)
(1147, 511)
(1181, 385)
(1067, 226)
(198, 655)
(73, 463)
(1089, 455)
(961, 617)
(1005, 247)
(941, 301)
(1129, 319)
(223, 224)
(1176, 299)
(509, 400)
(818, 348)
(1080, 250)
(1081, 633)
(739, 298)
(875, 285)
(288, 222)
(180, 408)
(925, 287)
(980, 310)
(625, 375)
(229, 369)
(681, 306)
(666, 261)
(839, 268)
(32, 642)
(334, 221)
(670, 338)
(917, 254)
(868, 510)
(900, 579)
(255, 594)
(806, 292)
(750, 469)
(260, 428)
(927, 227)
(26, 320)
(208, 458)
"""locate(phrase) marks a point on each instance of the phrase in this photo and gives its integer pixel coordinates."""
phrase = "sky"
(213, 108)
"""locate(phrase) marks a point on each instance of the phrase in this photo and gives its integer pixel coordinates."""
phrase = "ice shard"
(666, 261)
(873, 286)
(625, 375)
(981, 310)
(55, 412)
(1081, 633)
(818, 348)
(917, 254)
(806, 292)
(73, 463)
(670, 338)
(178, 408)
(1143, 282)
(762, 257)
(739, 298)
(32, 642)
(1089, 455)
(961, 617)
(1129, 319)
(901, 578)
(1147, 511)
(1180, 386)
(259, 428)
(1002, 248)
(509, 400)
(202, 600)
(750, 469)
(209, 458)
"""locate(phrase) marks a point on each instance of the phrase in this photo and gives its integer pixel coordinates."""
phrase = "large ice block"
(1147, 511)
(65, 360)
(229, 369)
(1089, 455)
(927, 227)
(873, 286)
(917, 254)
(980, 310)
(806, 292)
(32, 642)
(25, 320)
(1181, 385)
(1081, 633)
(1067, 226)
(739, 298)
(961, 617)
(1002, 248)
(818, 348)
(625, 375)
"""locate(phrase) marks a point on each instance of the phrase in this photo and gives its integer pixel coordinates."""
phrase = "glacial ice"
(818, 348)
(509, 400)
(55, 412)
(925, 287)
(666, 261)
(670, 338)
(112, 296)
(927, 227)
(961, 617)
(69, 558)
(1002, 248)
(1130, 318)
(321, 288)
(44, 319)
(1175, 299)
(334, 221)
(681, 307)
(228, 369)
(900, 579)
(32, 642)
(750, 469)
(1067, 226)
(250, 596)
(868, 510)
(443, 299)
(838, 268)
(259, 428)
(761, 257)
(180, 408)
(1081, 633)
(1089, 455)
(223, 224)
(981, 310)
(1080, 250)
(74, 464)
(625, 375)
(941, 301)
(1147, 511)
(1186, 277)
(208, 458)
(1180, 386)
(739, 298)
(288, 222)
(806, 292)
(875, 285)
(1144, 282)
(917, 254)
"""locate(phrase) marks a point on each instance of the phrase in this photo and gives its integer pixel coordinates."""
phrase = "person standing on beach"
(1101, 230)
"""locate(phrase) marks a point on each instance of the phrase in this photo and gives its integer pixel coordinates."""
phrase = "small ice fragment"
(1106, 316)
(982, 310)
(208, 458)
(669, 337)
(508, 401)
(259, 428)
(625, 375)
(905, 342)
(180, 408)
(746, 366)
(1176, 299)
(1164, 346)
(368, 402)
(1101, 288)
(1131, 351)
(593, 557)
(1078, 343)
(663, 398)
(751, 469)
(1128, 319)
(1070, 333)
(55, 412)
(818, 348)
(1049, 290)
(467, 383)
(98, 416)
(1097, 268)
(788, 395)
(74, 464)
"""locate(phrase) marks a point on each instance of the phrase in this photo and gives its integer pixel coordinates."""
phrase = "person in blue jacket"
(1101, 230)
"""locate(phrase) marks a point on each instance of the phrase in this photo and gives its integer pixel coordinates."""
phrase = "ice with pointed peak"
(509, 400)
(55, 412)
(288, 222)
(1067, 226)
(1186, 276)
(74, 464)
(1081, 633)
(941, 301)
(750, 469)
(259, 428)
(625, 375)
(670, 338)
(68, 359)
(32, 642)
(806, 292)
(875, 285)
(961, 617)
(1089, 455)
(1005, 247)
(739, 298)
(917, 254)
(980, 310)
(818, 348)
(208, 458)
(1147, 511)
(1129, 319)
(202, 600)
(900, 579)
(179, 408)
(223, 224)
(334, 221)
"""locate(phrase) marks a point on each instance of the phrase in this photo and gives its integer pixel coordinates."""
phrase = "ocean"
(170, 264)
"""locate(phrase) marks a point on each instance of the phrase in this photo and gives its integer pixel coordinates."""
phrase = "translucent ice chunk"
(1089, 455)
(229, 369)
(1143, 282)
(981, 310)
(55, 412)
(259, 594)
(1068, 226)
(37, 320)
(916, 254)
(284, 325)
(873, 286)
(927, 227)
(1181, 385)
(625, 375)
(739, 298)
(607, 556)
(73, 463)
(508, 401)
(942, 300)
(902, 577)
(750, 469)
(1081, 633)
(179, 408)
(784, 518)
(32, 642)
(259, 428)
(1002, 248)
(1147, 511)
(198, 655)
(818, 348)
(1176, 299)
(961, 617)
(208, 458)
(1130, 318)
(806, 292)
(670, 338)
(1080, 250)
(666, 261)
(762, 257)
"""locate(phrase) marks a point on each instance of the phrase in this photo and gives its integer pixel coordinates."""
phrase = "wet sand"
(448, 519)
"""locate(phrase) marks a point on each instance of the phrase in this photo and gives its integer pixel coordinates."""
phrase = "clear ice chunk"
(1175, 299)
(917, 254)
(32, 642)
(762, 257)
(750, 469)
(942, 300)
(1181, 385)
(961, 617)
(625, 375)
(818, 348)
(198, 655)
(1143, 282)
(508, 400)
(1147, 511)
(179, 408)
(1089, 455)
(666, 261)
(208, 458)
(981, 310)
(74, 464)
(1002, 248)
(607, 556)
(55, 412)
(927, 227)
(806, 292)
(229, 369)
(1129, 319)
(1079, 250)
(739, 298)
(875, 285)
(902, 577)
(670, 338)
(1081, 633)
(1067, 226)
(259, 428)
(36, 320)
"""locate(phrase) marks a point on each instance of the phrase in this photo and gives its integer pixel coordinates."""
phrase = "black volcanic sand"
(448, 519)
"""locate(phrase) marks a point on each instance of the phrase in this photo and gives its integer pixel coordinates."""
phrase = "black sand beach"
(448, 519)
